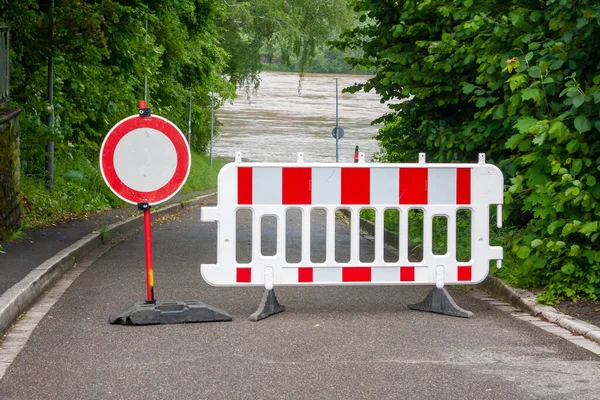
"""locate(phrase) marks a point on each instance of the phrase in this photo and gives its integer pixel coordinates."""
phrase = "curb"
(527, 301)
(519, 298)
(21, 296)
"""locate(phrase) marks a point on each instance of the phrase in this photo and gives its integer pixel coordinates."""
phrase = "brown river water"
(276, 122)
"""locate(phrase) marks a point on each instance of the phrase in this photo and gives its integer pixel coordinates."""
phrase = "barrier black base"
(440, 302)
(268, 306)
(168, 313)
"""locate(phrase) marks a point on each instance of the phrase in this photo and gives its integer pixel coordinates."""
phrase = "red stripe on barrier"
(305, 274)
(413, 185)
(463, 186)
(356, 185)
(244, 181)
(407, 274)
(356, 274)
(296, 186)
(464, 273)
(243, 275)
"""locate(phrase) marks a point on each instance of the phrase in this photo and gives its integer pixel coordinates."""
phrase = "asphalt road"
(330, 343)
(25, 254)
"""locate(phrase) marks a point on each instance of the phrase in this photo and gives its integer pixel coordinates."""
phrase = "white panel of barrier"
(270, 189)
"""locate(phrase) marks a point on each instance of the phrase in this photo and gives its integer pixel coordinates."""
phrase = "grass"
(202, 176)
(80, 189)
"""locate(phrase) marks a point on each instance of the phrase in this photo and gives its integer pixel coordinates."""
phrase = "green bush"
(518, 81)
(80, 189)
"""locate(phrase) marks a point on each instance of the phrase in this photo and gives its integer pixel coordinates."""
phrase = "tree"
(101, 54)
(518, 81)
(288, 27)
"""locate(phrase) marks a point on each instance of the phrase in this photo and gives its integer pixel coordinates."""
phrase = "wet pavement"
(330, 343)
(39, 244)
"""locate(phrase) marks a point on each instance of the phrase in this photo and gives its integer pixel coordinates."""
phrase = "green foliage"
(325, 61)
(293, 30)
(101, 52)
(80, 189)
(518, 81)
(202, 176)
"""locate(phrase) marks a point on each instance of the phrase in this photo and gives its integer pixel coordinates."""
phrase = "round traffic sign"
(145, 159)
(340, 133)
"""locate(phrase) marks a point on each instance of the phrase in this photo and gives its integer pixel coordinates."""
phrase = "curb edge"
(22, 295)
(527, 301)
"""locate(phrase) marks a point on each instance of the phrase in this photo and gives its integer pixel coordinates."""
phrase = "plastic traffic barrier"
(270, 189)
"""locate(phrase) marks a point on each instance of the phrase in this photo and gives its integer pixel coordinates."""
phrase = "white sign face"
(145, 159)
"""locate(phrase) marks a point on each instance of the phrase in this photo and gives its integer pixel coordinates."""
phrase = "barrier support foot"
(168, 313)
(268, 306)
(440, 302)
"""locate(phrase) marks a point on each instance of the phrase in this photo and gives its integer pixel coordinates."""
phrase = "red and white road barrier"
(270, 189)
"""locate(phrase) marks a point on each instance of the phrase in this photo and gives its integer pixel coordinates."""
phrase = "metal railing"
(4, 64)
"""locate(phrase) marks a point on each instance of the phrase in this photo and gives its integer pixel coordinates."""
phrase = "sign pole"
(189, 132)
(212, 126)
(145, 76)
(337, 139)
(50, 119)
(142, 139)
(148, 244)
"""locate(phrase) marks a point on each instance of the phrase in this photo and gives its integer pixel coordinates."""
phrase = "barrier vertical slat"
(305, 236)
(256, 236)
(355, 236)
(427, 234)
(330, 235)
(479, 234)
(281, 225)
(451, 232)
(379, 238)
(403, 229)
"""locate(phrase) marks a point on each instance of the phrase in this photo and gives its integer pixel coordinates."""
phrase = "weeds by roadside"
(79, 189)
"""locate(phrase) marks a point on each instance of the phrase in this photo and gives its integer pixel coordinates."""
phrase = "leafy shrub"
(518, 81)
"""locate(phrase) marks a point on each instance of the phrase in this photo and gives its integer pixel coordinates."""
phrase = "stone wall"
(10, 191)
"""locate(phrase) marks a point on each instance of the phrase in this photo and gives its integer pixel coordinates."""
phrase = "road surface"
(330, 343)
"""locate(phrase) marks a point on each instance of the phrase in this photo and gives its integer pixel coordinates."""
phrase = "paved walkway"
(356, 342)
(23, 255)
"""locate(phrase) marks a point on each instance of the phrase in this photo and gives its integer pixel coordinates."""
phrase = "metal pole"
(50, 120)
(337, 132)
(146, 77)
(190, 119)
(212, 126)
(149, 270)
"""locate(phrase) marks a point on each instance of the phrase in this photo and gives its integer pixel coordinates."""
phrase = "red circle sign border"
(107, 167)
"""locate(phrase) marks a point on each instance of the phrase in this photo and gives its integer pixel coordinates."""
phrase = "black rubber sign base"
(179, 312)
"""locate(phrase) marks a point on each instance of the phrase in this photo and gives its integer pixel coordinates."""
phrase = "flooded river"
(276, 122)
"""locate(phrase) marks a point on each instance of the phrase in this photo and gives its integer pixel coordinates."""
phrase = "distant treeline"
(325, 60)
